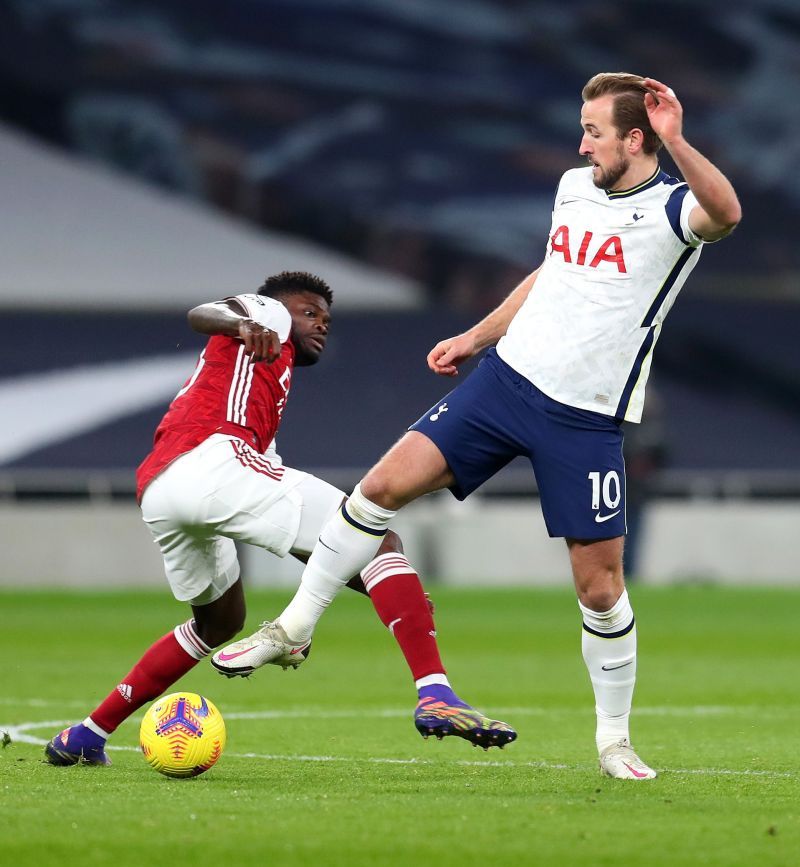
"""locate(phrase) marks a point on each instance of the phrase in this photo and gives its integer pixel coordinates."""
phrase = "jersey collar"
(656, 178)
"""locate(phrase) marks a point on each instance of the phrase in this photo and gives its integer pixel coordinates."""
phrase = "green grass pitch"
(323, 766)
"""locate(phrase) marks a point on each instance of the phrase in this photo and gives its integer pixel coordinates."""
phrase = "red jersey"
(227, 393)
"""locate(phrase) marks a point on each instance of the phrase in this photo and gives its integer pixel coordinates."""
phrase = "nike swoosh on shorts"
(600, 518)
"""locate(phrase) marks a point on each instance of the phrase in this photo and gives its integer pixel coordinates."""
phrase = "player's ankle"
(611, 729)
(296, 634)
(91, 726)
(439, 691)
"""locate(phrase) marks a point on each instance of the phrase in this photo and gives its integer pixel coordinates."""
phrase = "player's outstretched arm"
(219, 317)
(718, 211)
(445, 357)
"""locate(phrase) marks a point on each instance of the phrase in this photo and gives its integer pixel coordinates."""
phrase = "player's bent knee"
(378, 488)
(600, 598)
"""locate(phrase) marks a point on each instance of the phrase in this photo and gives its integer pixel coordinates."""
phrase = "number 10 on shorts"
(610, 489)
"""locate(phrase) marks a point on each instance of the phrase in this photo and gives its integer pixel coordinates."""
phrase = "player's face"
(601, 144)
(310, 322)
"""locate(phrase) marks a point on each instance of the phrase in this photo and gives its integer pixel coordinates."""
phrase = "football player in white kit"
(574, 343)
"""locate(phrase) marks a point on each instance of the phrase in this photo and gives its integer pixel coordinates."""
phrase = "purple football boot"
(441, 713)
(77, 746)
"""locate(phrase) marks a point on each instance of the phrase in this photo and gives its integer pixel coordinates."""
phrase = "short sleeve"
(679, 206)
(689, 203)
(268, 312)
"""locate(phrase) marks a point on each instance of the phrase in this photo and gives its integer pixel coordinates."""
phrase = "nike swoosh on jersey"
(600, 518)
(566, 202)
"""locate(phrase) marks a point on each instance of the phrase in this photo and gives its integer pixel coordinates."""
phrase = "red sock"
(162, 664)
(400, 601)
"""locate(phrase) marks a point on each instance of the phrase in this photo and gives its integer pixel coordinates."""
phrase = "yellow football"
(182, 735)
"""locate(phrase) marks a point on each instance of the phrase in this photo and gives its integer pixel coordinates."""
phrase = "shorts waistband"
(506, 371)
(243, 433)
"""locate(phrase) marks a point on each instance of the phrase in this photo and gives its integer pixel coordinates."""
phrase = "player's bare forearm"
(489, 330)
(713, 191)
(445, 357)
(215, 318)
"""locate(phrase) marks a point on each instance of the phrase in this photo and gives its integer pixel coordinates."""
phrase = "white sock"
(92, 726)
(609, 651)
(348, 542)
(430, 679)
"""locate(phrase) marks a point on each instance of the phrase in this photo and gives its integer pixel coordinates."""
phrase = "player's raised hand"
(663, 109)
(445, 357)
(260, 342)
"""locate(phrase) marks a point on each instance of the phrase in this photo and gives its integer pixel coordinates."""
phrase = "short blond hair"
(629, 112)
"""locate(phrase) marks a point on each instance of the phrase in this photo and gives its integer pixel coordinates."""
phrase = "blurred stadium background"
(157, 155)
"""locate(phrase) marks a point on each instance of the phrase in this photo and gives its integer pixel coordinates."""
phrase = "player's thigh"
(234, 493)
(412, 467)
(580, 471)
(318, 502)
(256, 500)
(466, 437)
(199, 561)
(199, 565)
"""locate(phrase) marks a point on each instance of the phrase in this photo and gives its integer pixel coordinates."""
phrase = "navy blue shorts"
(496, 414)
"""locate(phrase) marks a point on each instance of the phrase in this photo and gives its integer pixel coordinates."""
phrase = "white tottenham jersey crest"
(614, 265)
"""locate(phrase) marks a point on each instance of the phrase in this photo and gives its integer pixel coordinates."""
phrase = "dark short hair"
(295, 282)
(629, 112)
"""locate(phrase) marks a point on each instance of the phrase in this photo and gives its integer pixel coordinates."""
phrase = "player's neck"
(638, 173)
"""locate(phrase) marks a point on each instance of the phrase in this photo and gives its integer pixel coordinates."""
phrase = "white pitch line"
(19, 733)
(321, 713)
(40, 702)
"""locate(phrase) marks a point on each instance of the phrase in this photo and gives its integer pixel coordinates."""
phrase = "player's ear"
(635, 141)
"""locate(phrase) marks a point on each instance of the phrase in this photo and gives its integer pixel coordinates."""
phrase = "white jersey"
(614, 265)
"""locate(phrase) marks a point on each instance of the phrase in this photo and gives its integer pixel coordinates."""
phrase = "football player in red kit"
(214, 477)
